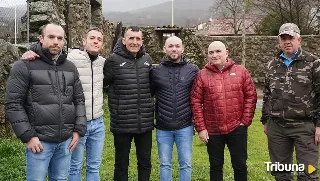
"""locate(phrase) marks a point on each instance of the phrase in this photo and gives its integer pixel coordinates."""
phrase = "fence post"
(66, 16)
(28, 21)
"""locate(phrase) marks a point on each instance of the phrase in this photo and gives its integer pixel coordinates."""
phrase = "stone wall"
(8, 53)
(82, 15)
(154, 42)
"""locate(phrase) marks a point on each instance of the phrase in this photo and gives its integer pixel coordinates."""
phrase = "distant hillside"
(128, 5)
(186, 13)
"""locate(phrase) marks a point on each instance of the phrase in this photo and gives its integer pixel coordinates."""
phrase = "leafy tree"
(304, 13)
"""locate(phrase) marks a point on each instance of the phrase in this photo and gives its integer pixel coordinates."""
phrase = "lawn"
(12, 160)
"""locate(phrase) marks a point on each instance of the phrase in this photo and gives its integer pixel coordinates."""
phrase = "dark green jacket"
(291, 94)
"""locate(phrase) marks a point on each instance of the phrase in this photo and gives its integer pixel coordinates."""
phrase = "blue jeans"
(93, 143)
(54, 159)
(183, 139)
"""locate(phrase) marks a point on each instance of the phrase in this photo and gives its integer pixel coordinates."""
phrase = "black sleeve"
(80, 109)
(152, 85)
(16, 94)
(107, 71)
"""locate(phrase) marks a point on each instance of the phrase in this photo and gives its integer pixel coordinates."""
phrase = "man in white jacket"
(90, 67)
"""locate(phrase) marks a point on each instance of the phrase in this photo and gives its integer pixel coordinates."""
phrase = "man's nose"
(135, 41)
(56, 40)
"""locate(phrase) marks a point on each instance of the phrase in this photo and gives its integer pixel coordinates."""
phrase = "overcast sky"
(108, 5)
(9, 3)
(127, 5)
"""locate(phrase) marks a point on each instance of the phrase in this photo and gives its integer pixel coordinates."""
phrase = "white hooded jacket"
(91, 77)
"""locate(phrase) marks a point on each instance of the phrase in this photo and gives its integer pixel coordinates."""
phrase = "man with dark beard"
(172, 81)
(44, 103)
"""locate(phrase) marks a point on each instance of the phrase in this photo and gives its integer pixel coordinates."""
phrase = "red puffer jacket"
(221, 101)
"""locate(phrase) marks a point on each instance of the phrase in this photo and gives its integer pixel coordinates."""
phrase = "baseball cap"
(289, 29)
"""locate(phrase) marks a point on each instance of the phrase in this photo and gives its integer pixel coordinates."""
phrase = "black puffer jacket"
(172, 83)
(44, 98)
(129, 96)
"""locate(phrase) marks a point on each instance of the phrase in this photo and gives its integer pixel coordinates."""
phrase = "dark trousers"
(282, 141)
(237, 145)
(122, 144)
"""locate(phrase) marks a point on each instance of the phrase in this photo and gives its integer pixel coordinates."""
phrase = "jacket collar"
(213, 68)
(166, 61)
(46, 56)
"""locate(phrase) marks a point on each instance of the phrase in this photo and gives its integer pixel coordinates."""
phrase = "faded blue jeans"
(93, 142)
(183, 139)
(54, 159)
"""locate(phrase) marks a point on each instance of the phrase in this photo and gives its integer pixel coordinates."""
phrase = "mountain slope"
(186, 13)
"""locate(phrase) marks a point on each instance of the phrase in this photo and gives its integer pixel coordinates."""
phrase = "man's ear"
(300, 39)
(41, 38)
(123, 41)
(84, 42)
(227, 53)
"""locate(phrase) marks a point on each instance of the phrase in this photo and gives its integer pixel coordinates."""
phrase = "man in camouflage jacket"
(291, 106)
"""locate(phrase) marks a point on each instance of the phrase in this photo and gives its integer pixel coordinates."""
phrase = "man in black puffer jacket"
(130, 103)
(171, 81)
(44, 103)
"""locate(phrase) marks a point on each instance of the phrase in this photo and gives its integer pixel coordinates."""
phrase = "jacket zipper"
(285, 88)
(92, 88)
(225, 102)
(174, 95)
(60, 100)
(138, 83)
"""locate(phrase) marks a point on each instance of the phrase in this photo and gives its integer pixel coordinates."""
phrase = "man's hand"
(75, 141)
(30, 55)
(203, 135)
(317, 136)
(265, 128)
(34, 145)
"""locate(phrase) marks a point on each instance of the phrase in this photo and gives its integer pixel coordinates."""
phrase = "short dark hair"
(133, 28)
(93, 29)
(45, 26)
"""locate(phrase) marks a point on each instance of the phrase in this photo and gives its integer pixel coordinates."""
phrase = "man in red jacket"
(223, 100)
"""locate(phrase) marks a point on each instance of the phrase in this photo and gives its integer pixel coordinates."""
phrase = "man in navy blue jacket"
(171, 82)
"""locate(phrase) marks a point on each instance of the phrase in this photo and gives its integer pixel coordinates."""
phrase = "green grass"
(12, 159)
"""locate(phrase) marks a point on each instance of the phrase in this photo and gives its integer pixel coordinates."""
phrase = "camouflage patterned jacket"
(291, 94)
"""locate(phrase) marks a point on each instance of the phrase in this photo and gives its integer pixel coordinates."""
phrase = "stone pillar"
(96, 13)
(41, 13)
(8, 53)
(79, 21)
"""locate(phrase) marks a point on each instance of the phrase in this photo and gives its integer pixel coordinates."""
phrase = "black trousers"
(122, 144)
(283, 140)
(237, 145)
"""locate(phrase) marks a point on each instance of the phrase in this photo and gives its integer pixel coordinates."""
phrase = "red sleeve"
(197, 94)
(250, 99)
